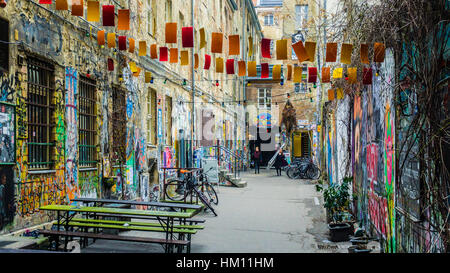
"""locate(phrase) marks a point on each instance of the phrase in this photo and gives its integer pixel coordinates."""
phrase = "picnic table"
(66, 217)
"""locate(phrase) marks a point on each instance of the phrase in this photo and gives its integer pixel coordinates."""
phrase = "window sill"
(41, 171)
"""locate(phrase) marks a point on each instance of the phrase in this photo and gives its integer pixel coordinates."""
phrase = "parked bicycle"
(190, 186)
(303, 168)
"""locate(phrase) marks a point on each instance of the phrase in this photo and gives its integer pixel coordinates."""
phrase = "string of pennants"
(303, 51)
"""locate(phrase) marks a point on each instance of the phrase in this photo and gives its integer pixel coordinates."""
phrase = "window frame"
(88, 119)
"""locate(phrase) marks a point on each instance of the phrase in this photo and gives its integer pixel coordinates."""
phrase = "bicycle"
(303, 168)
(180, 189)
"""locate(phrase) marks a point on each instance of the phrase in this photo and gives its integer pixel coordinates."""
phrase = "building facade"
(79, 121)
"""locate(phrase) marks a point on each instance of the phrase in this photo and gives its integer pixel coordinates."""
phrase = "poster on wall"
(7, 134)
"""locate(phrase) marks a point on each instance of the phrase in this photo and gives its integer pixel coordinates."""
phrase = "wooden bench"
(194, 221)
(131, 223)
(55, 234)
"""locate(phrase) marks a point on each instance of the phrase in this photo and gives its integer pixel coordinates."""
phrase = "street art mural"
(7, 134)
(7, 206)
(71, 133)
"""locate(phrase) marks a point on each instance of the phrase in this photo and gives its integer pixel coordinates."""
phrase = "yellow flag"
(111, 37)
(339, 93)
(250, 46)
(251, 70)
(133, 67)
(202, 38)
(276, 72)
(148, 76)
(297, 74)
(219, 65)
(142, 48)
(184, 57)
(337, 73)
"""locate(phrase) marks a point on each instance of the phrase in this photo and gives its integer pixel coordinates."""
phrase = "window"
(268, 20)
(301, 16)
(4, 47)
(151, 117)
(119, 123)
(265, 98)
(87, 122)
(168, 119)
(168, 11)
(40, 109)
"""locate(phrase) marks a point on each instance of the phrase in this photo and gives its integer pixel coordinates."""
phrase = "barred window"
(168, 112)
(4, 47)
(119, 123)
(87, 122)
(151, 116)
(40, 110)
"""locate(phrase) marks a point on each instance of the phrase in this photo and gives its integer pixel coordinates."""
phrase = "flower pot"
(339, 232)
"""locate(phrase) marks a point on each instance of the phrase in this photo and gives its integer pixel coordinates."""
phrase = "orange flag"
(111, 37)
(325, 74)
(124, 19)
(289, 72)
(251, 69)
(330, 94)
(101, 37)
(196, 62)
(331, 53)
(234, 45)
(297, 74)
(173, 55)
(276, 72)
(300, 51)
(153, 51)
(241, 68)
(311, 50)
(352, 74)
(364, 53)
(379, 52)
(281, 49)
(184, 57)
(219, 65)
(346, 53)
(132, 45)
(77, 8)
(216, 42)
(171, 33)
(142, 48)
(61, 5)
(93, 11)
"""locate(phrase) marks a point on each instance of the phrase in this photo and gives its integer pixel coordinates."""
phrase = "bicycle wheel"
(176, 190)
(293, 172)
(290, 172)
(204, 200)
(211, 192)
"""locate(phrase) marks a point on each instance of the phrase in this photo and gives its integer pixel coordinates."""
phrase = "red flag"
(312, 74)
(187, 36)
(163, 54)
(265, 48)
(264, 70)
(367, 76)
(110, 64)
(207, 62)
(108, 16)
(45, 1)
(122, 42)
(230, 66)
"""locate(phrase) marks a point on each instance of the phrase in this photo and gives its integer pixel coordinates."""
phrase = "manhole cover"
(5, 243)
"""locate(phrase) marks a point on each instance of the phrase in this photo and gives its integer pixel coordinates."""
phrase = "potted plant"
(336, 201)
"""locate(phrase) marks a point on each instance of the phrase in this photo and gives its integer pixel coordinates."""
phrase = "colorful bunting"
(281, 49)
(265, 48)
(108, 15)
(234, 45)
(276, 72)
(202, 38)
(289, 72)
(337, 73)
(122, 42)
(300, 51)
(364, 53)
(207, 62)
(331, 52)
(171, 33)
(131, 44)
(297, 74)
(230, 66)
(219, 65)
(241, 69)
(142, 48)
(184, 57)
(252, 72)
(310, 48)
(367, 76)
(346, 53)
(330, 94)
(93, 11)
(216, 42)
(379, 52)
(352, 74)
(111, 37)
(101, 37)
(77, 8)
(312, 74)
(173, 55)
(61, 5)
(154, 51)
(110, 64)
(163, 54)
(325, 74)
(124, 19)
(264, 70)
(187, 36)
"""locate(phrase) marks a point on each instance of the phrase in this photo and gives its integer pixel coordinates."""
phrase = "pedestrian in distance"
(257, 158)
(280, 161)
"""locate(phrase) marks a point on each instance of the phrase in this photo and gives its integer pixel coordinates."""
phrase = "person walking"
(257, 159)
(280, 162)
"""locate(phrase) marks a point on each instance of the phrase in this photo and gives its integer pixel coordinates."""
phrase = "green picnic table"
(66, 213)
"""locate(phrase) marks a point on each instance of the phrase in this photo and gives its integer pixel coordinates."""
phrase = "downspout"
(192, 90)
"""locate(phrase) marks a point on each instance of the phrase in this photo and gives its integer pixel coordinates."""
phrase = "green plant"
(336, 198)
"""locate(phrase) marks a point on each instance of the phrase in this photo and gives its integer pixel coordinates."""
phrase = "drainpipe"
(192, 90)
(244, 57)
